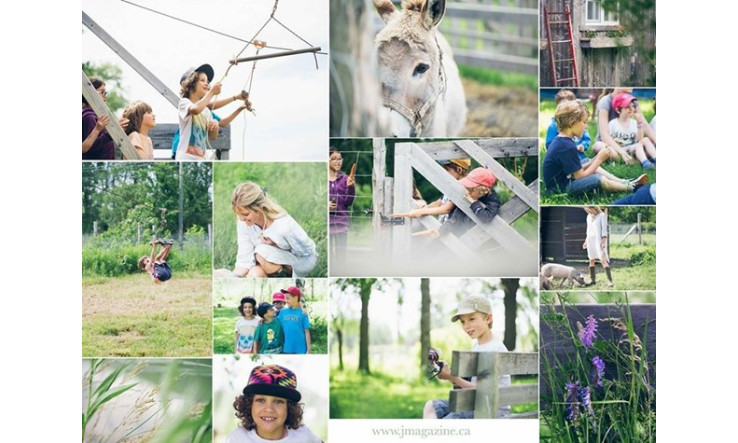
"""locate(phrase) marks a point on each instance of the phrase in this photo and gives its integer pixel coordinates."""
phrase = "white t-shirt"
(299, 435)
(245, 329)
(624, 135)
(193, 130)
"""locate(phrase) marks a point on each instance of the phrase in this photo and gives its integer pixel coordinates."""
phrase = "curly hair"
(243, 403)
(135, 114)
(247, 300)
(190, 84)
(568, 113)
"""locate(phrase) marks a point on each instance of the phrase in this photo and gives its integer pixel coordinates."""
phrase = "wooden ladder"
(560, 21)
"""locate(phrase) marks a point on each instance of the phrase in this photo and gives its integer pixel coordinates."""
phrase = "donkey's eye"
(420, 69)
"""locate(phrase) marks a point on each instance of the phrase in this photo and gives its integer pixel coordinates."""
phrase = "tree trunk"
(510, 286)
(424, 322)
(366, 290)
(339, 337)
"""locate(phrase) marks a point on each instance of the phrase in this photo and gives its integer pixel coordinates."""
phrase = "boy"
(268, 337)
(295, 323)
(582, 142)
(156, 265)
(475, 315)
(246, 326)
(484, 203)
(278, 302)
(628, 134)
(562, 169)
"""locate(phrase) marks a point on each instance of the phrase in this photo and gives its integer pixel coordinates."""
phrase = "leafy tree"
(112, 76)
(364, 288)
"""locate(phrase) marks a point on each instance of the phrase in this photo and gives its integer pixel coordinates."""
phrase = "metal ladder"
(561, 21)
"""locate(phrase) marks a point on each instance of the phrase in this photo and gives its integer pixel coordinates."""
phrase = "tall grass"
(616, 405)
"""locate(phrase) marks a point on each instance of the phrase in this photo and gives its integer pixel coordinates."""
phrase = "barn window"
(596, 14)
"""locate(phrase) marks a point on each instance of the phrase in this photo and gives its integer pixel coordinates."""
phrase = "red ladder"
(568, 65)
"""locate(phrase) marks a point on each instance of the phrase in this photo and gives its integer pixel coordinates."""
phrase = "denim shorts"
(584, 185)
(442, 411)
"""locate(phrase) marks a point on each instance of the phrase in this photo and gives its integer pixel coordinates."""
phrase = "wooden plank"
(524, 415)
(403, 195)
(508, 237)
(502, 62)
(522, 16)
(127, 57)
(487, 398)
(495, 147)
(516, 394)
(116, 132)
(512, 182)
(466, 363)
(460, 400)
(378, 176)
(491, 37)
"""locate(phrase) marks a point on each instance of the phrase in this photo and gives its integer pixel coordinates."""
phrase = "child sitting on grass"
(628, 134)
(268, 336)
(475, 315)
(563, 171)
(156, 264)
(246, 326)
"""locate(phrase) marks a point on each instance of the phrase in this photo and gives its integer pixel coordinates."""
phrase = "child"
(245, 326)
(628, 134)
(484, 203)
(156, 265)
(141, 120)
(342, 191)
(278, 301)
(295, 324)
(457, 168)
(96, 142)
(268, 336)
(562, 169)
(596, 242)
(269, 408)
(270, 242)
(475, 315)
(553, 130)
(196, 123)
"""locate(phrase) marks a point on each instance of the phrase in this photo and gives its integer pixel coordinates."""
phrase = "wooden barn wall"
(563, 230)
(629, 66)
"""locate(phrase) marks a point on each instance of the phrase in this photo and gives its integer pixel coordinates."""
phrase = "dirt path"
(497, 111)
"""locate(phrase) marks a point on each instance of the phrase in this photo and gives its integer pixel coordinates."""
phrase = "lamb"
(552, 271)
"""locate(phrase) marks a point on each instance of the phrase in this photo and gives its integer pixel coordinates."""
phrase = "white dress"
(596, 229)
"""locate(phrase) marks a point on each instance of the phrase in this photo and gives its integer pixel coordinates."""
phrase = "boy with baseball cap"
(268, 337)
(475, 316)
(295, 323)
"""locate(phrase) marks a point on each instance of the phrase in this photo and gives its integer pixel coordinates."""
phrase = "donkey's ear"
(385, 8)
(434, 10)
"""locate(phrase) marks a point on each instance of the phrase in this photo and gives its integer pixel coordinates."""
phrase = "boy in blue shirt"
(295, 323)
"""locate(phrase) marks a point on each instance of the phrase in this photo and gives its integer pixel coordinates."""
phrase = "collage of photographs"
(345, 219)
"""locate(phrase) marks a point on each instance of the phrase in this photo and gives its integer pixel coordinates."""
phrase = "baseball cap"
(263, 308)
(472, 303)
(204, 68)
(461, 162)
(273, 380)
(293, 290)
(277, 296)
(479, 177)
(623, 100)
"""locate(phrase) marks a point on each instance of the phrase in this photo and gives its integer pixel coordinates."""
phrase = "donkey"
(421, 88)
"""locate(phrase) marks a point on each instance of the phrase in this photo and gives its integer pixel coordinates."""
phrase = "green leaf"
(111, 395)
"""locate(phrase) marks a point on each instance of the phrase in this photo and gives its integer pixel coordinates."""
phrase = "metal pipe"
(278, 54)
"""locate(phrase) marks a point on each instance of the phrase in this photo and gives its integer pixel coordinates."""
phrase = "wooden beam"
(518, 187)
(378, 177)
(402, 197)
(495, 147)
(131, 60)
(504, 14)
(508, 237)
(466, 363)
(116, 132)
(486, 400)
(502, 62)
(275, 55)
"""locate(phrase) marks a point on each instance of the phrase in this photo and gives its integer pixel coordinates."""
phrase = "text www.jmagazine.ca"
(402, 431)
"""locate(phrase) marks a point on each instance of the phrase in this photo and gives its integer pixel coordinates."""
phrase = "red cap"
(293, 290)
(278, 296)
(479, 177)
(622, 100)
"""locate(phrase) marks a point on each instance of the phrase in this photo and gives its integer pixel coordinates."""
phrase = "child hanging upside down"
(156, 264)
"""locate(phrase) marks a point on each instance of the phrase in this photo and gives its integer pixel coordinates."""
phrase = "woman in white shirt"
(270, 242)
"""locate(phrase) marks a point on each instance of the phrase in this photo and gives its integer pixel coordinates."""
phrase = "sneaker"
(167, 242)
(637, 182)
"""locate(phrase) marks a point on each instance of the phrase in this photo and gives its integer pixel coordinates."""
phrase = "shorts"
(162, 271)
(442, 411)
(630, 148)
(584, 185)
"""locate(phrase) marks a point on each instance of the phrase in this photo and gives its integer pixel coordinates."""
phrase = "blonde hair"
(481, 189)
(251, 196)
(135, 114)
(142, 262)
(570, 112)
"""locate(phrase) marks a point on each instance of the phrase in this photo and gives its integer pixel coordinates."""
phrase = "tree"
(510, 286)
(424, 322)
(111, 75)
(364, 288)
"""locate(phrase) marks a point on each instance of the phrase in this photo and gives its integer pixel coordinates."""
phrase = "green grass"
(499, 78)
(224, 321)
(133, 317)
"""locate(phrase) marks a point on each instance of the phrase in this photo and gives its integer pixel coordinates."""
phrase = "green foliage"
(499, 78)
(629, 215)
(623, 409)
(112, 76)
(300, 188)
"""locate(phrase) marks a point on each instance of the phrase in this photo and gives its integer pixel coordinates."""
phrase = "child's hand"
(584, 245)
(580, 148)
(332, 205)
(123, 122)
(243, 96)
(216, 88)
(102, 122)
(445, 373)
(350, 181)
(212, 125)
(627, 159)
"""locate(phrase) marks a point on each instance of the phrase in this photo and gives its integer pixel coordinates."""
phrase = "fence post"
(640, 230)
(378, 178)
(138, 234)
(210, 235)
(402, 196)
(487, 392)
(94, 228)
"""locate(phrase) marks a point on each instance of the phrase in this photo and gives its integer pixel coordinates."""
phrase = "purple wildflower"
(572, 400)
(599, 371)
(586, 401)
(587, 333)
